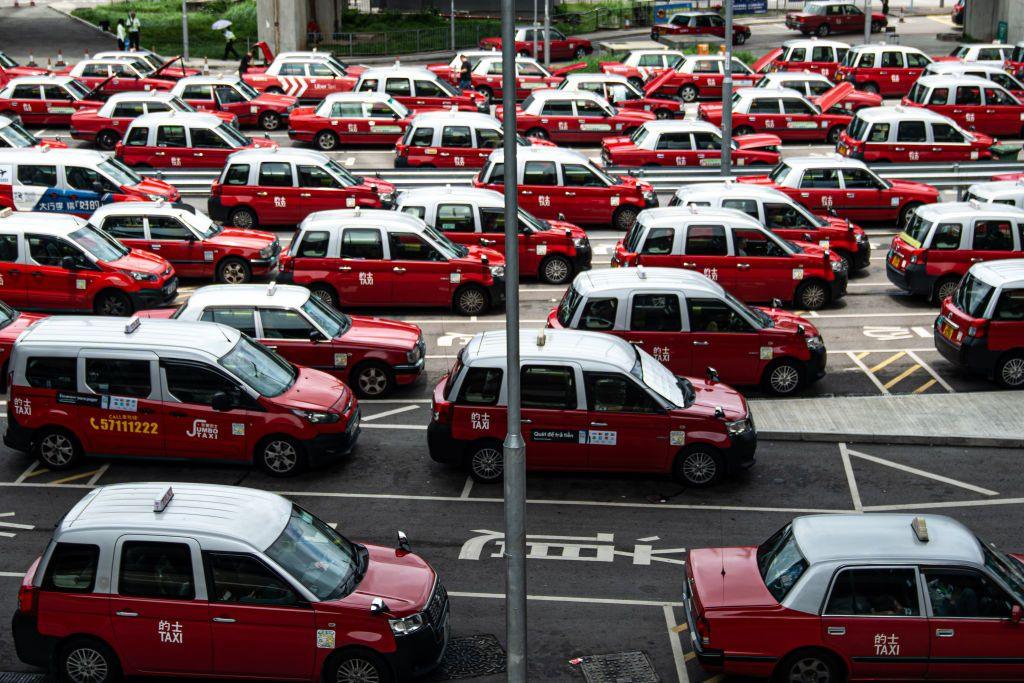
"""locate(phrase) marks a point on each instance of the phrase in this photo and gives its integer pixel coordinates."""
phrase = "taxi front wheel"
(113, 303)
(1010, 371)
(57, 448)
(84, 660)
(698, 466)
(486, 462)
(812, 295)
(810, 666)
(471, 300)
(624, 218)
(357, 667)
(783, 377)
(280, 456)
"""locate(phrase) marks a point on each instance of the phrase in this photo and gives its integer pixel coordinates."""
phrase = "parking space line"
(74, 477)
(851, 480)
(677, 648)
(943, 505)
(935, 376)
(99, 473)
(871, 376)
(921, 473)
(568, 598)
(371, 401)
(896, 356)
(925, 387)
(373, 426)
(902, 376)
(13, 575)
(467, 488)
(29, 472)
(388, 413)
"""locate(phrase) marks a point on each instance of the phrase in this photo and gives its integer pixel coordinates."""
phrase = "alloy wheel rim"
(271, 121)
(1013, 372)
(487, 463)
(242, 219)
(688, 94)
(325, 141)
(106, 141)
(814, 296)
(472, 301)
(784, 379)
(86, 665)
(234, 274)
(357, 671)
(280, 456)
(323, 296)
(627, 218)
(556, 271)
(699, 467)
(56, 449)
(373, 381)
(809, 670)
(113, 306)
(947, 289)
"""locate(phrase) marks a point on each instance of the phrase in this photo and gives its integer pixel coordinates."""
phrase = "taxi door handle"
(199, 154)
(36, 274)
(837, 630)
(177, 414)
(701, 343)
(146, 411)
(526, 192)
(975, 260)
(126, 613)
(900, 149)
(945, 632)
(570, 194)
(526, 421)
(224, 620)
(14, 272)
(636, 342)
(344, 269)
(598, 424)
(271, 347)
(261, 194)
(688, 264)
(851, 195)
(397, 269)
(305, 194)
(160, 154)
(155, 247)
(743, 266)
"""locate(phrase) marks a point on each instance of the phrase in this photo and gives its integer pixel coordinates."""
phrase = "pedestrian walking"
(134, 30)
(229, 44)
(122, 35)
(243, 66)
(465, 78)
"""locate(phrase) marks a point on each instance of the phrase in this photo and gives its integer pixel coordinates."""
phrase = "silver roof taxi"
(1008, 192)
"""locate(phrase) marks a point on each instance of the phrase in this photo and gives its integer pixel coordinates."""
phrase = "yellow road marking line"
(689, 655)
(903, 375)
(36, 472)
(863, 354)
(73, 477)
(679, 629)
(894, 357)
(924, 387)
(714, 679)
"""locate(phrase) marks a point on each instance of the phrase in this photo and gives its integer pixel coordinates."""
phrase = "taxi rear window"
(567, 307)
(780, 562)
(972, 296)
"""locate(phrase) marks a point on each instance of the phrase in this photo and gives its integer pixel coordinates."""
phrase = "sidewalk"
(993, 418)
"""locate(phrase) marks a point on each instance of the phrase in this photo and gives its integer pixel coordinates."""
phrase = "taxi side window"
(429, 89)
(168, 228)
(493, 220)
(118, 376)
(820, 179)
(55, 92)
(481, 387)
(674, 141)
(197, 92)
(368, 85)
(548, 386)
(656, 313)
(347, 110)
(1010, 306)
(379, 110)
(405, 246)
(578, 175)
(418, 211)
(319, 70)
(947, 236)
(282, 324)
(706, 240)
(943, 132)
(314, 244)
(859, 179)
(48, 251)
(244, 580)
(878, 591)
(456, 136)
(765, 105)
(195, 383)
(242, 319)
(866, 61)
(8, 248)
(993, 96)
(43, 372)
(892, 59)
(599, 314)
(797, 54)
(315, 176)
(714, 315)
(422, 137)
(497, 175)
(171, 136)
(756, 244)
(206, 138)
(237, 174)
(969, 95)
(539, 173)
(528, 69)
(705, 66)
(138, 136)
(589, 108)
(228, 95)
(494, 69)
(125, 227)
(488, 138)
(399, 87)
(650, 60)
(707, 141)
(72, 568)
(292, 69)
(94, 70)
(879, 133)
(821, 53)
(156, 570)
(455, 217)
(795, 106)
(25, 92)
(557, 108)
(275, 174)
(916, 61)
(747, 206)
(44, 176)
(939, 96)
(362, 243)
(81, 178)
(659, 241)
(993, 235)
(128, 110)
(612, 392)
(782, 216)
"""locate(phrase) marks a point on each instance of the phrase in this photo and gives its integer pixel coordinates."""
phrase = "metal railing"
(385, 43)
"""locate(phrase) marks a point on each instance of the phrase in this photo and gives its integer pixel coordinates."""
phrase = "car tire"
(876, 27)
(112, 303)
(1010, 370)
(84, 660)
(581, 54)
(847, 259)
(812, 295)
(832, 137)
(689, 93)
(56, 448)
(740, 39)
(324, 293)
(486, 92)
(244, 217)
(233, 271)
(357, 666)
(539, 133)
(372, 380)
(663, 114)
(698, 466)
(326, 140)
(470, 300)
(280, 456)
(107, 140)
(556, 270)
(624, 217)
(905, 213)
(743, 130)
(810, 665)
(870, 88)
(485, 462)
(823, 30)
(944, 287)
(783, 377)
(270, 121)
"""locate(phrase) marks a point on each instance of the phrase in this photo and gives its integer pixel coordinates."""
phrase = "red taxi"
(453, 139)
(162, 67)
(350, 118)
(645, 306)
(639, 65)
(825, 17)
(105, 126)
(686, 143)
(563, 184)
(553, 250)
(282, 187)
(977, 104)
(934, 250)
(981, 325)
(109, 76)
(698, 76)
(13, 135)
(418, 88)
(9, 68)
(901, 134)
(813, 85)
(530, 75)
(848, 188)
(858, 597)
(194, 245)
(61, 263)
(45, 100)
(452, 69)
(784, 113)
(990, 72)
(263, 57)
(736, 251)
(301, 77)
(809, 54)
(995, 54)
(12, 324)
(1015, 62)
(699, 24)
(183, 140)
(590, 403)
(620, 91)
(562, 47)
(228, 94)
(886, 70)
(574, 116)
(356, 258)
(372, 355)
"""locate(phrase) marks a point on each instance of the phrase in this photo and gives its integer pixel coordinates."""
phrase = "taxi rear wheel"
(555, 270)
(538, 133)
(87, 661)
(663, 113)
(372, 380)
(783, 377)
(688, 93)
(581, 54)
(233, 271)
(486, 92)
(326, 140)
(1010, 371)
(870, 88)
(810, 666)
(107, 140)
(486, 462)
(698, 466)
(743, 130)
(243, 218)
(812, 295)
(57, 448)
(824, 30)
(280, 456)
(325, 294)
(638, 82)
(740, 38)
(906, 213)
(357, 667)
(624, 218)
(945, 288)
(113, 303)
(270, 120)
(471, 300)
(833, 134)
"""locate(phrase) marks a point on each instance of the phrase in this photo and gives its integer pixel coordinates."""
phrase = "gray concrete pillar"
(981, 17)
(282, 23)
(326, 15)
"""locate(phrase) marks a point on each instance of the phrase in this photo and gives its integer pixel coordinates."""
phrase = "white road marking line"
(677, 648)
(922, 332)
(388, 413)
(922, 473)
(944, 505)
(870, 375)
(467, 488)
(373, 426)
(24, 475)
(99, 473)
(569, 598)
(13, 575)
(371, 401)
(850, 478)
(945, 385)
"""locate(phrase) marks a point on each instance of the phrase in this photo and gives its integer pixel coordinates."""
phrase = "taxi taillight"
(28, 602)
(215, 189)
(443, 411)
(918, 256)
(703, 629)
(977, 329)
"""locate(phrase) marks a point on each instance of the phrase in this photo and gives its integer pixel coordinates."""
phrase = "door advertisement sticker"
(602, 437)
(123, 403)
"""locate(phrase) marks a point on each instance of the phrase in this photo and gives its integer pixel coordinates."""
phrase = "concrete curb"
(893, 439)
(82, 21)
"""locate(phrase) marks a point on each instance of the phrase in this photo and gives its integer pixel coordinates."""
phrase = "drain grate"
(619, 667)
(469, 657)
(14, 677)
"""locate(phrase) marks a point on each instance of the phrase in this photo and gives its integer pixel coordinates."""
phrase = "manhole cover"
(619, 667)
(471, 656)
(11, 677)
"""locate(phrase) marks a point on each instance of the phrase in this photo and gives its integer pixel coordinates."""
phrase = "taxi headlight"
(140, 277)
(497, 271)
(650, 195)
(838, 266)
(387, 197)
(737, 427)
(266, 251)
(413, 357)
(407, 625)
(154, 197)
(861, 238)
(815, 343)
(580, 242)
(316, 417)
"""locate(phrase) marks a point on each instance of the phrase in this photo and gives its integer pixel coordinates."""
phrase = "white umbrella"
(220, 24)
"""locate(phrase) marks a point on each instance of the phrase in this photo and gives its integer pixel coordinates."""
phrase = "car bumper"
(409, 373)
(216, 210)
(816, 364)
(583, 258)
(30, 645)
(651, 203)
(421, 652)
(914, 279)
(972, 354)
(85, 135)
(17, 437)
(262, 267)
(300, 135)
(442, 446)
(401, 161)
(740, 453)
(150, 298)
(326, 448)
(497, 291)
(839, 284)
(862, 259)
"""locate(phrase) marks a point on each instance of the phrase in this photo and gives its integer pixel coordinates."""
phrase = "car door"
(721, 337)
(863, 197)
(321, 81)
(277, 199)
(172, 147)
(288, 332)
(361, 274)
(420, 275)
(764, 115)
(801, 120)
(873, 617)
(560, 49)
(52, 286)
(947, 142)
(558, 119)
(820, 190)
(674, 148)
(554, 415)
(201, 97)
(707, 147)
(130, 231)
(706, 250)
(38, 189)
(228, 98)
(654, 323)
(529, 77)
(594, 121)
(991, 238)
(973, 635)
(170, 238)
(627, 428)
(59, 104)
(208, 148)
(250, 604)
(950, 249)
(764, 270)
(193, 428)
(317, 190)
(27, 102)
(891, 79)
(1002, 113)
(456, 146)
(120, 412)
(85, 190)
(660, 246)
(540, 193)
(586, 193)
(13, 273)
(158, 605)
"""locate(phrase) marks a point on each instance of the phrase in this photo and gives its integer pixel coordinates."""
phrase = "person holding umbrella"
(229, 37)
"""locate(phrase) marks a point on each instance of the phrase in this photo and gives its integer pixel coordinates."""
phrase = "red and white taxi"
(809, 54)
(698, 76)
(990, 72)
(554, 250)
(811, 85)
(451, 70)
(372, 355)
(14, 135)
(941, 242)
(995, 54)
(619, 91)
(304, 78)
(981, 325)
(1007, 192)
(562, 184)
(887, 70)
(825, 17)
(452, 139)
(574, 116)
(977, 104)
(847, 187)
(562, 47)
(350, 118)
(283, 186)
(858, 597)
(417, 88)
(736, 251)
(263, 57)
(901, 134)
(161, 67)
(690, 323)
(12, 324)
(785, 113)
(269, 111)
(530, 75)
(639, 65)
(45, 100)
(1015, 62)
(196, 246)
(109, 76)
(696, 23)
(686, 143)
(9, 68)
(183, 140)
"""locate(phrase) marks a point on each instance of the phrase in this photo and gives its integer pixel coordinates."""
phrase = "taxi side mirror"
(315, 336)
(1015, 614)
(378, 606)
(221, 402)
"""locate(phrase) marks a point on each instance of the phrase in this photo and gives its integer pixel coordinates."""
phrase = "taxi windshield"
(247, 90)
(7, 62)
(602, 175)
(1008, 569)
(972, 296)
(16, 136)
(178, 104)
(326, 563)
(77, 89)
(758, 318)
(7, 314)
(779, 174)
(447, 87)
(202, 224)
(638, 135)
(332, 321)
(342, 174)
(118, 173)
(658, 378)
(780, 562)
(263, 370)
(532, 221)
(916, 231)
(568, 305)
(857, 129)
(231, 134)
(98, 244)
(400, 109)
(447, 248)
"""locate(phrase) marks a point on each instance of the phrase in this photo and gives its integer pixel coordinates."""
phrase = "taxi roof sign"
(161, 503)
(271, 288)
(133, 324)
(4, 213)
(920, 527)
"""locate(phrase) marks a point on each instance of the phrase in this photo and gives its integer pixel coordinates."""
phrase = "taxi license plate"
(947, 331)
(842, 149)
(894, 260)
